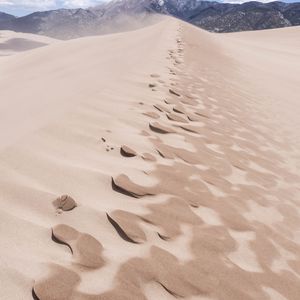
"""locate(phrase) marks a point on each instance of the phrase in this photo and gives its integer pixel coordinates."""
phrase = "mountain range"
(115, 15)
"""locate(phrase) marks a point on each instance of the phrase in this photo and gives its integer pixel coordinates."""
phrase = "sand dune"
(14, 42)
(153, 164)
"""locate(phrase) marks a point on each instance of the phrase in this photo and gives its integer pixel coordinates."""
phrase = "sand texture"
(159, 163)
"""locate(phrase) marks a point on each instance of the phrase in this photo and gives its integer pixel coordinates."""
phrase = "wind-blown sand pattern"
(182, 162)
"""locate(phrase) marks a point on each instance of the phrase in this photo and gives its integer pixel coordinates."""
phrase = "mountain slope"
(6, 17)
(247, 16)
(5, 20)
(117, 15)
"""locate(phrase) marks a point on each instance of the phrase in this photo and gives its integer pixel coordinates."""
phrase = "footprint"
(151, 114)
(212, 177)
(193, 129)
(64, 203)
(148, 157)
(155, 75)
(179, 109)
(122, 184)
(169, 217)
(171, 101)
(178, 61)
(176, 118)
(126, 225)
(194, 118)
(164, 238)
(127, 152)
(157, 127)
(60, 285)
(171, 91)
(86, 250)
(161, 108)
(164, 150)
(201, 114)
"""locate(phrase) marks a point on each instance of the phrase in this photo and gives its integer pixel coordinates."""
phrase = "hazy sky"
(23, 7)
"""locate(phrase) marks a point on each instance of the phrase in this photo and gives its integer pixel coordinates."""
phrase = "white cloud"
(44, 4)
(28, 3)
(79, 3)
(24, 7)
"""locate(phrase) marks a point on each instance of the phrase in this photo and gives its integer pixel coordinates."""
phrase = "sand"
(152, 164)
(13, 42)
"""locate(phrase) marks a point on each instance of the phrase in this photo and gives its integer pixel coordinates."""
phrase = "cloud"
(45, 4)
(22, 7)
(79, 3)
(28, 3)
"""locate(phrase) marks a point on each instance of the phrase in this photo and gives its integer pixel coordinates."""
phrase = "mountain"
(115, 15)
(72, 23)
(5, 19)
(246, 16)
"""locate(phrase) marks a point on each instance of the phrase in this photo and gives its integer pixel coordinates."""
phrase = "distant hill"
(115, 15)
(5, 19)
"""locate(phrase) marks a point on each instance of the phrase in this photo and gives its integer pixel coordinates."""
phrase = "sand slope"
(14, 42)
(152, 164)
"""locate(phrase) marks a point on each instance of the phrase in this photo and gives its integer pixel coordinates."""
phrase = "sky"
(24, 7)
